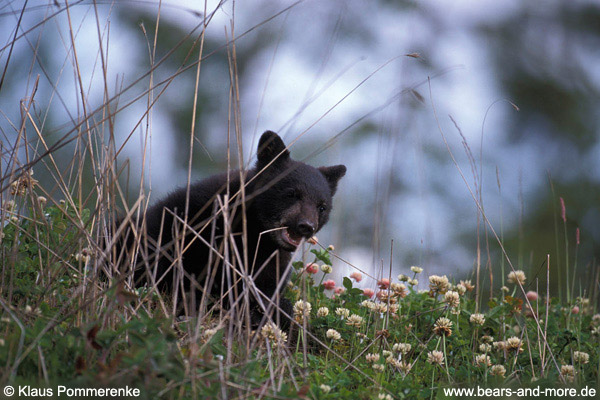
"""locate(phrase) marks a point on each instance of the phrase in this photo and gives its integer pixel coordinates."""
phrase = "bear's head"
(293, 199)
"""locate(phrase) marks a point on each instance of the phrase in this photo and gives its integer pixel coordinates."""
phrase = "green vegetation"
(63, 324)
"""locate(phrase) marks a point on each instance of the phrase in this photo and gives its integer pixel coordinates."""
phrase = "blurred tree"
(545, 60)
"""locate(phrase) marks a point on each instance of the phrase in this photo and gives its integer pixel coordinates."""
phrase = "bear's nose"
(306, 228)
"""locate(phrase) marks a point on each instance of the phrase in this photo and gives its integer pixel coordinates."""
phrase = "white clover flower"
(384, 396)
(416, 270)
(275, 335)
(498, 370)
(461, 289)
(487, 339)
(452, 299)
(402, 278)
(342, 312)
(354, 320)
(485, 347)
(467, 284)
(402, 348)
(379, 368)
(413, 282)
(514, 343)
(399, 289)
(333, 334)
(581, 357)
(302, 310)
(381, 308)
(322, 312)
(568, 371)
(443, 327)
(439, 284)
(483, 360)
(477, 319)
(403, 366)
(517, 276)
(325, 388)
(372, 357)
(435, 357)
(368, 304)
(500, 345)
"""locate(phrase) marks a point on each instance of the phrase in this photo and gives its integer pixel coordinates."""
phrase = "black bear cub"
(285, 201)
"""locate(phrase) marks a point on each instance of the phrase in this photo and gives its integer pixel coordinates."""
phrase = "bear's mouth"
(290, 238)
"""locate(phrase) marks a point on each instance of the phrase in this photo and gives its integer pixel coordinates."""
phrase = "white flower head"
(326, 268)
(477, 319)
(342, 312)
(333, 334)
(322, 312)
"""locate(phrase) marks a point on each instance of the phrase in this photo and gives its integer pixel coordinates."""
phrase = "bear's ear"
(333, 174)
(270, 146)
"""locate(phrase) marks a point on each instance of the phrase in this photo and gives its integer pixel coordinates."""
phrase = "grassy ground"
(61, 325)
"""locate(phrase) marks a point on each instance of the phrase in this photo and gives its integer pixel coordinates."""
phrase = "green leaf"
(347, 283)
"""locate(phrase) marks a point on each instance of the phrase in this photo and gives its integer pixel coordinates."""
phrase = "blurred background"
(393, 89)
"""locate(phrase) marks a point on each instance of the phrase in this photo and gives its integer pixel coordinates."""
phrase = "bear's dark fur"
(285, 201)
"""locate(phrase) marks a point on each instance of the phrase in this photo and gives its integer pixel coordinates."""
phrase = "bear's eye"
(322, 208)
